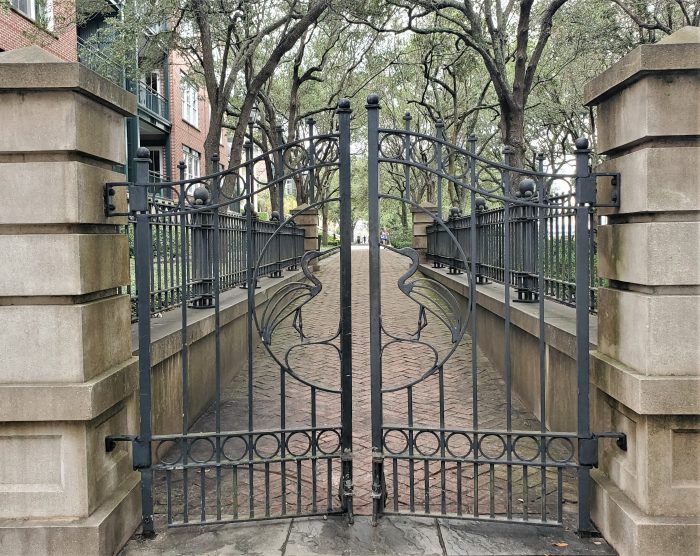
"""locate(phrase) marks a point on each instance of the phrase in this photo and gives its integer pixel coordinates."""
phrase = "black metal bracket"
(587, 190)
(588, 447)
(614, 191)
(141, 448)
(109, 193)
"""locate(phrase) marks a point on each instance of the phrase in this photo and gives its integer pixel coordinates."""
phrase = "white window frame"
(190, 101)
(191, 158)
(31, 12)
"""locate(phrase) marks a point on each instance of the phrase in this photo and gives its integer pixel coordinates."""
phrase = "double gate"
(448, 434)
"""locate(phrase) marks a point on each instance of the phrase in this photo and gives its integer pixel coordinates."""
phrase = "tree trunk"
(324, 226)
(513, 135)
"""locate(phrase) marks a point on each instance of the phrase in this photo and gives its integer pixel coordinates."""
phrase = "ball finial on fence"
(275, 216)
(527, 187)
(581, 143)
(201, 195)
(372, 100)
(344, 104)
(143, 152)
(480, 203)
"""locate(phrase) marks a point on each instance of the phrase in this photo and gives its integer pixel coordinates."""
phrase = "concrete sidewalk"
(404, 536)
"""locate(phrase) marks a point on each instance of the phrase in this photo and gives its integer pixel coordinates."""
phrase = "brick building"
(41, 22)
(173, 113)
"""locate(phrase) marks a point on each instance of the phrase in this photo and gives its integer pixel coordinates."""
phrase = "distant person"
(384, 237)
(364, 239)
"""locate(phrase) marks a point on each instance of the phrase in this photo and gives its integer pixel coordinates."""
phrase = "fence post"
(455, 213)
(202, 231)
(276, 246)
(526, 244)
(481, 241)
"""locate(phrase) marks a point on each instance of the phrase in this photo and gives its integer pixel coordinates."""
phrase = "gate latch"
(588, 447)
(141, 448)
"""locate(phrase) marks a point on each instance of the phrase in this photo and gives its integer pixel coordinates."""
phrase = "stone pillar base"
(104, 532)
(634, 533)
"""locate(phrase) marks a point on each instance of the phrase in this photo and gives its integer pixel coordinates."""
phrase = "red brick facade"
(17, 31)
(182, 132)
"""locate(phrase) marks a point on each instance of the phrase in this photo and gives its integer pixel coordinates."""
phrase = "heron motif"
(290, 299)
(434, 299)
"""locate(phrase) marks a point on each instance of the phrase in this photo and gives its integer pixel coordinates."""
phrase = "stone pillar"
(646, 371)
(67, 377)
(308, 220)
(421, 221)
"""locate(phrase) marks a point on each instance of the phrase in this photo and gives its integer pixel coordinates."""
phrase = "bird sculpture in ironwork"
(431, 297)
(290, 300)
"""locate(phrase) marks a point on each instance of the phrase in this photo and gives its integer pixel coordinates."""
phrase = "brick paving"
(319, 364)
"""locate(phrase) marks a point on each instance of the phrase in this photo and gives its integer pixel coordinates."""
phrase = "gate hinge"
(588, 447)
(588, 192)
(377, 456)
(141, 448)
(346, 455)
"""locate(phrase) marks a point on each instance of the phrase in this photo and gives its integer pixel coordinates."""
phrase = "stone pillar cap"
(427, 205)
(305, 208)
(32, 68)
(677, 52)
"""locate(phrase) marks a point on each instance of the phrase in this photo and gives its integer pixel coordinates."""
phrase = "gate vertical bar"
(440, 135)
(250, 284)
(279, 170)
(344, 177)
(311, 153)
(216, 274)
(375, 302)
(472, 312)
(138, 200)
(582, 331)
(185, 357)
(507, 193)
(407, 155)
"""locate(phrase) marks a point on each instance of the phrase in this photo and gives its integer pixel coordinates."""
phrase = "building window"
(40, 11)
(191, 158)
(190, 102)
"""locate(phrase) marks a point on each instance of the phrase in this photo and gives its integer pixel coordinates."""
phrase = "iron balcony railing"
(92, 58)
(546, 239)
(152, 100)
(169, 266)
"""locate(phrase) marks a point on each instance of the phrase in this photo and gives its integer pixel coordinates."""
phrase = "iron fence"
(537, 236)
(181, 254)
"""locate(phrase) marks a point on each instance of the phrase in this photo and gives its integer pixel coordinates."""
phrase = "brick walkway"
(319, 364)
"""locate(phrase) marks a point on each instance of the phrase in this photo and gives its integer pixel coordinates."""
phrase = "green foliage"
(401, 237)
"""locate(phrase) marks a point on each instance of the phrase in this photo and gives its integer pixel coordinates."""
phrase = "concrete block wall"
(646, 370)
(68, 378)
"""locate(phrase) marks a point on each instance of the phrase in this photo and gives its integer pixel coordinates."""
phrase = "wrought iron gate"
(283, 462)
